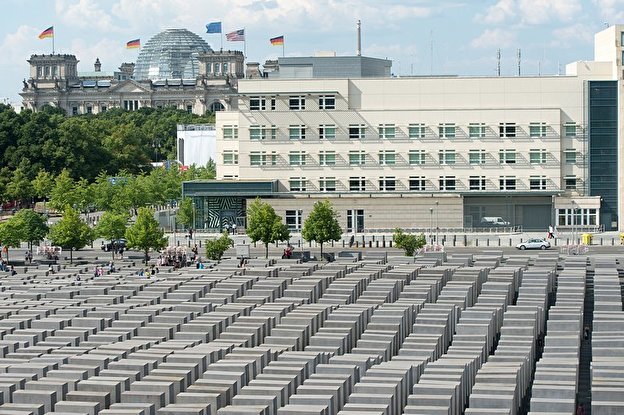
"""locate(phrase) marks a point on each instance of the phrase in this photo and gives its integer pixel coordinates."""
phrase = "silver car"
(534, 243)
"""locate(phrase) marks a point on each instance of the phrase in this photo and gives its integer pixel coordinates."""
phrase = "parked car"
(116, 245)
(493, 221)
(535, 243)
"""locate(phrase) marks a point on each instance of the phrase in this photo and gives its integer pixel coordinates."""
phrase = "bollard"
(357, 244)
(189, 244)
(377, 242)
(612, 241)
(487, 242)
(600, 241)
(332, 244)
(383, 241)
(299, 243)
(390, 242)
(465, 240)
(454, 239)
(567, 241)
(310, 244)
(499, 242)
(178, 243)
(370, 244)
(477, 241)
(509, 241)
(343, 243)
(254, 244)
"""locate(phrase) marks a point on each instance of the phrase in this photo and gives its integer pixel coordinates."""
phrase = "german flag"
(133, 44)
(276, 41)
(49, 32)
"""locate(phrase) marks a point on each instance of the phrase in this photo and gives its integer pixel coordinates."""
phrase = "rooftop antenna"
(498, 57)
(358, 52)
(431, 52)
(519, 61)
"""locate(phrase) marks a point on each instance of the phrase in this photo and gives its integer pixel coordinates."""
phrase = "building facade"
(417, 153)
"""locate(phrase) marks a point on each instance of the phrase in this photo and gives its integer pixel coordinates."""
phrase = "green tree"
(10, 236)
(145, 233)
(63, 191)
(322, 224)
(43, 184)
(32, 226)
(215, 248)
(185, 212)
(264, 225)
(71, 232)
(20, 187)
(112, 226)
(408, 242)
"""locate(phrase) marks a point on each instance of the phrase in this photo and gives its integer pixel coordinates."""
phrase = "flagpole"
(244, 43)
(53, 41)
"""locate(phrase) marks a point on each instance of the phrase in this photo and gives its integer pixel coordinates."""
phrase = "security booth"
(220, 204)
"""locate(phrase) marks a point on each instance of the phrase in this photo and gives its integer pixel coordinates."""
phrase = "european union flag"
(214, 27)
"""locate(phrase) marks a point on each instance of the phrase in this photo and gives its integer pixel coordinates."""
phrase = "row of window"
(295, 103)
(421, 183)
(391, 157)
(414, 131)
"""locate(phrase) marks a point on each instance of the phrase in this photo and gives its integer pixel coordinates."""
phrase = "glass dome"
(171, 54)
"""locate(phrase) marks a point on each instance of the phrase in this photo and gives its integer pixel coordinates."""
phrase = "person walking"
(233, 229)
(551, 232)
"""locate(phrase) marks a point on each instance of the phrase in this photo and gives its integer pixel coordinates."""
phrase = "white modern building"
(196, 144)
(423, 152)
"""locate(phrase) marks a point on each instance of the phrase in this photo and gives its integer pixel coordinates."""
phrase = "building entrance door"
(355, 216)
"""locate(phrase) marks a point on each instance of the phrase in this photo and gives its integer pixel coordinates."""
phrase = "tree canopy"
(264, 225)
(70, 232)
(322, 224)
(32, 226)
(145, 234)
(408, 242)
(112, 226)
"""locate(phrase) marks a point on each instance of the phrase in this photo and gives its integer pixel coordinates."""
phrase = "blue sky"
(420, 36)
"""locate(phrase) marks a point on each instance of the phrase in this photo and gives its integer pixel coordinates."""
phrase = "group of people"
(288, 251)
(230, 228)
(149, 272)
(4, 266)
(51, 253)
(98, 271)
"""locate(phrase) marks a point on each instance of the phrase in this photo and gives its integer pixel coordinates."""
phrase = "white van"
(493, 221)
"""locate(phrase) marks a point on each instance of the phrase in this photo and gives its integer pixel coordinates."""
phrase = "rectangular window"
(446, 156)
(189, 109)
(327, 132)
(537, 156)
(416, 157)
(446, 130)
(230, 132)
(74, 110)
(507, 156)
(447, 183)
(297, 158)
(570, 155)
(570, 182)
(357, 157)
(387, 184)
(257, 103)
(565, 217)
(257, 158)
(476, 130)
(537, 183)
(357, 184)
(262, 132)
(296, 132)
(294, 219)
(327, 102)
(357, 131)
(387, 131)
(89, 110)
(104, 108)
(477, 182)
(327, 184)
(569, 129)
(476, 156)
(297, 184)
(327, 158)
(537, 129)
(387, 158)
(230, 157)
(507, 183)
(296, 102)
(507, 130)
(416, 131)
(417, 183)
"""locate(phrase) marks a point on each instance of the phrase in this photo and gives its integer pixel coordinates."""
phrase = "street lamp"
(430, 223)
(156, 146)
(437, 223)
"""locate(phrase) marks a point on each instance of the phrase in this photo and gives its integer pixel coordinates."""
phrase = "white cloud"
(571, 36)
(531, 12)
(612, 11)
(490, 38)
(16, 48)
(84, 14)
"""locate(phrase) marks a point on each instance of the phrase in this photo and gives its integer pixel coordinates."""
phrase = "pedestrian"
(551, 232)
(227, 227)
(233, 229)
(586, 333)
(580, 409)
(13, 272)
(191, 233)
(351, 241)
(95, 272)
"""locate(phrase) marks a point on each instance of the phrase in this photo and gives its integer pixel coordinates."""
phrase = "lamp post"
(430, 223)
(573, 223)
(156, 146)
(437, 223)
(193, 225)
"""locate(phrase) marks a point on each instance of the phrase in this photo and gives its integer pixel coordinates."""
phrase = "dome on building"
(171, 54)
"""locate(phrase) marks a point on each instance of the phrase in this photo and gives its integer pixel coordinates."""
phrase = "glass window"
(446, 156)
(570, 182)
(537, 129)
(230, 132)
(446, 130)
(297, 158)
(357, 131)
(447, 182)
(387, 157)
(476, 156)
(296, 103)
(357, 184)
(507, 130)
(189, 109)
(570, 156)
(327, 102)
(507, 183)
(257, 103)
(297, 184)
(296, 132)
(230, 157)
(537, 156)
(537, 183)
(74, 110)
(417, 183)
(261, 132)
(257, 158)
(327, 158)
(416, 156)
(416, 130)
(507, 156)
(89, 109)
(476, 130)
(327, 184)
(357, 157)
(387, 131)
(327, 132)
(294, 219)
(387, 184)
(569, 129)
(477, 182)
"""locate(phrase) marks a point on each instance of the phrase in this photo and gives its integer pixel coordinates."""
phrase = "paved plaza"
(481, 331)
